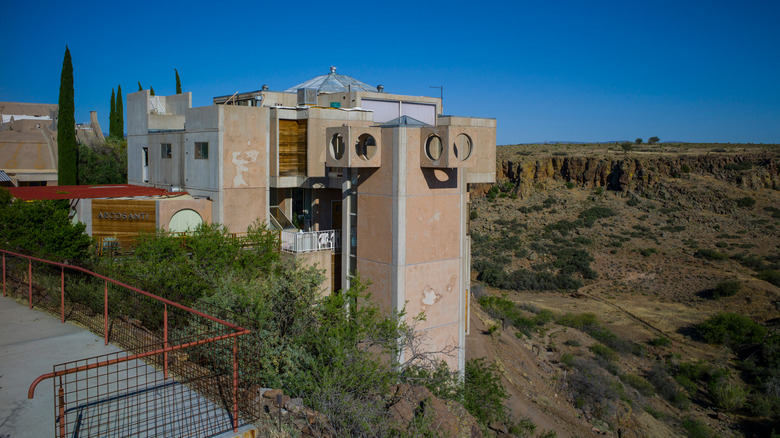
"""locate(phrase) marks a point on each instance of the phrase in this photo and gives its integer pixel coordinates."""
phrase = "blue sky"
(547, 71)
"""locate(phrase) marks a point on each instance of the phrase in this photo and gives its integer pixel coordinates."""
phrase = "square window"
(165, 150)
(201, 150)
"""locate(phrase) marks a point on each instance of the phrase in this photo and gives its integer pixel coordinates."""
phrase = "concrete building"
(28, 142)
(357, 179)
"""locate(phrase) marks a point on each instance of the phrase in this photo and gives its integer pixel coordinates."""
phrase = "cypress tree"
(112, 115)
(178, 82)
(67, 159)
(151, 91)
(120, 114)
(140, 88)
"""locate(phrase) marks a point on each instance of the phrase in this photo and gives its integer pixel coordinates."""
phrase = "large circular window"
(433, 147)
(184, 220)
(337, 146)
(462, 147)
(366, 147)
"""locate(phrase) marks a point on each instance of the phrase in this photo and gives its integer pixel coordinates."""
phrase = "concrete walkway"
(31, 342)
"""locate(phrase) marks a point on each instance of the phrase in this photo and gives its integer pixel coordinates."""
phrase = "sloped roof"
(403, 121)
(333, 83)
(87, 192)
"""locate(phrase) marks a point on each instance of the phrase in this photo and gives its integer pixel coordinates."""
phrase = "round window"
(337, 146)
(462, 147)
(366, 147)
(433, 147)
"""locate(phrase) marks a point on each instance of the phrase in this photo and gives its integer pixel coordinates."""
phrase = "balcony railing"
(299, 241)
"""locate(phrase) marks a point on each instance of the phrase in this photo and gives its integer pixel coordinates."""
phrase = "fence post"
(105, 312)
(61, 399)
(4, 276)
(29, 278)
(62, 296)
(165, 339)
(235, 384)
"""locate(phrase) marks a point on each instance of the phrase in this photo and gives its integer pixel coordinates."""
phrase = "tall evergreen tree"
(178, 82)
(112, 115)
(140, 88)
(120, 114)
(67, 158)
(151, 91)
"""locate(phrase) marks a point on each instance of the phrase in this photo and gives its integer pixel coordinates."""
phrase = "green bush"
(732, 330)
(727, 394)
(745, 202)
(685, 168)
(569, 184)
(473, 215)
(661, 341)
(604, 352)
(727, 288)
(643, 386)
(771, 276)
(744, 165)
(710, 254)
(696, 429)
(484, 395)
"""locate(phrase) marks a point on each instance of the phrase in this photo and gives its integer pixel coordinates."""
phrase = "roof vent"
(307, 96)
(265, 87)
(380, 88)
(332, 70)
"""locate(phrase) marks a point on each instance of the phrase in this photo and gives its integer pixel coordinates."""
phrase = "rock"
(294, 405)
(272, 393)
(499, 427)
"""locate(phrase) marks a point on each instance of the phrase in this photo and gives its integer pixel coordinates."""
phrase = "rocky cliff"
(630, 173)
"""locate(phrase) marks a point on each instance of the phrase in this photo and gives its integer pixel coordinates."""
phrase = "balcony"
(310, 241)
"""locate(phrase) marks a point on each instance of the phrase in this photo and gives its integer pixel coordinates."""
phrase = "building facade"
(358, 179)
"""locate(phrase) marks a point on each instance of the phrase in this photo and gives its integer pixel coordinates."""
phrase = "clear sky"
(594, 70)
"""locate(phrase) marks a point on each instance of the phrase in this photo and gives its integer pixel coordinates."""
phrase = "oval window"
(463, 147)
(366, 147)
(337, 146)
(433, 147)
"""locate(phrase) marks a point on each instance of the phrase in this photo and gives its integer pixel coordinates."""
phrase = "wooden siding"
(292, 147)
(123, 219)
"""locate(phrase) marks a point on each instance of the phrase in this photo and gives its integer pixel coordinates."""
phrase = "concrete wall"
(245, 166)
(164, 172)
(166, 208)
(483, 137)
(321, 260)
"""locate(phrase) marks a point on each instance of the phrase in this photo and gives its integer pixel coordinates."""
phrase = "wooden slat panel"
(292, 147)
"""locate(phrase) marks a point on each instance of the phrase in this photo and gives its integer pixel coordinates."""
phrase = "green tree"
(151, 91)
(120, 114)
(627, 146)
(104, 163)
(178, 82)
(140, 88)
(638, 141)
(653, 140)
(112, 115)
(67, 162)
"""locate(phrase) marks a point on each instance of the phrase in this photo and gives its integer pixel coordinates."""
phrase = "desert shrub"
(696, 429)
(569, 184)
(522, 428)
(661, 341)
(592, 214)
(633, 202)
(727, 394)
(643, 386)
(745, 202)
(483, 394)
(726, 288)
(762, 405)
(685, 168)
(594, 392)
(732, 330)
(604, 352)
(474, 214)
(744, 165)
(647, 252)
(578, 321)
(567, 359)
(710, 254)
(572, 343)
(659, 377)
(771, 276)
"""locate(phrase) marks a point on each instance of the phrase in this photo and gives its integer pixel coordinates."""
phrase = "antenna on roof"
(332, 70)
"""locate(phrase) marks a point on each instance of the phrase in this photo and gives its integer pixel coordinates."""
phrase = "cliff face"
(748, 171)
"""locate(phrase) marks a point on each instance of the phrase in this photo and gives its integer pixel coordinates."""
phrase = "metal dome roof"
(333, 83)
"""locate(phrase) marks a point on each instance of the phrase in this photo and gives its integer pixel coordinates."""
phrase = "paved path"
(31, 342)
